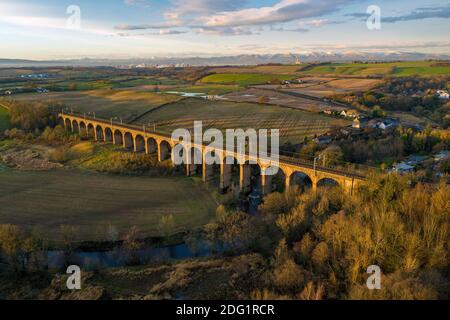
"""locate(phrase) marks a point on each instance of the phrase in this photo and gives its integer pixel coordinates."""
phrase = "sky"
(60, 29)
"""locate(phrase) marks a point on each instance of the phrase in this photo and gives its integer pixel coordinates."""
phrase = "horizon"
(140, 29)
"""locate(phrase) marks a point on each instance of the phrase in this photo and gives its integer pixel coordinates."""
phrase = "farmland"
(396, 69)
(126, 104)
(294, 125)
(244, 79)
(262, 69)
(99, 202)
(327, 87)
(4, 119)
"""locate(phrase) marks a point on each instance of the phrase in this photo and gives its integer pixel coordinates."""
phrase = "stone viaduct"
(292, 171)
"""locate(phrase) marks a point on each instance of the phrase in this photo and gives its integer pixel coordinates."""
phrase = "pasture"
(4, 119)
(294, 124)
(98, 204)
(396, 69)
(244, 79)
(125, 104)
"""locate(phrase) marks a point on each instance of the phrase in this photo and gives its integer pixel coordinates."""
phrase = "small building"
(42, 90)
(385, 124)
(350, 114)
(356, 124)
(328, 111)
(442, 94)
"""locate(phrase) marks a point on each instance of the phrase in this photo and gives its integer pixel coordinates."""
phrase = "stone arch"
(165, 151)
(194, 162)
(302, 180)
(75, 126)
(274, 183)
(108, 135)
(100, 133)
(152, 146)
(251, 177)
(68, 124)
(211, 167)
(118, 138)
(61, 122)
(230, 174)
(128, 141)
(327, 183)
(90, 130)
(83, 128)
(139, 143)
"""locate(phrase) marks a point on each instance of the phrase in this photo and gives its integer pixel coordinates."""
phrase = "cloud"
(319, 22)
(189, 7)
(163, 25)
(422, 13)
(137, 3)
(283, 11)
(163, 32)
(227, 31)
(231, 17)
(417, 14)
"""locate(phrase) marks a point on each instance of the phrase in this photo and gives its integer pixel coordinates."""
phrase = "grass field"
(126, 104)
(294, 125)
(208, 89)
(4, 119)
(423, 68)
(243, 79)
(95, 202)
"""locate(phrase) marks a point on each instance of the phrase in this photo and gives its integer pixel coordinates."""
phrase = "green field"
(4, 119)
(423, 68)
(127, 104)
(294, 124)
(209, 89)
(244, 79)
(96, 203)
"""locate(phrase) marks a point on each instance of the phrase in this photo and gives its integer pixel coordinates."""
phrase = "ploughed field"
(99, 205)
(294, 124)
(125, 104)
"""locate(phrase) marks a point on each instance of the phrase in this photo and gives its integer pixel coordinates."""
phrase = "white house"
(442, 94)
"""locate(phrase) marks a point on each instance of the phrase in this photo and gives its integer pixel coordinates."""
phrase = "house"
(329, 112)
(356, 124)
(42, 90)
(385, 124)
(8, 92)
(350, 114)
(442, 94)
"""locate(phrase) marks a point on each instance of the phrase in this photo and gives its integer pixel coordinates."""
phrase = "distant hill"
(254, 59)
